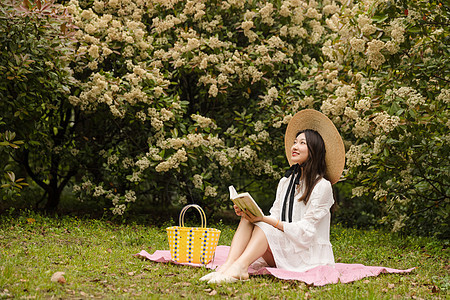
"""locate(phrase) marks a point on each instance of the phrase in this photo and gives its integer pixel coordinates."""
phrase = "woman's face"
(299, 151)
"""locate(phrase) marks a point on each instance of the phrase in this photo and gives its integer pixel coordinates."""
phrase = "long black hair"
(314, 168)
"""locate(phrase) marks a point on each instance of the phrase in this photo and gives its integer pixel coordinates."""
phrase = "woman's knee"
(246, 222)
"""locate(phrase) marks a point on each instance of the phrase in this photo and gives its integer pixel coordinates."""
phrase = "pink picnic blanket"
(317, 276)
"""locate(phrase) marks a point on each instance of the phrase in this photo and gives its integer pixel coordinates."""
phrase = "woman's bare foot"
(237, 271)
(223, 267)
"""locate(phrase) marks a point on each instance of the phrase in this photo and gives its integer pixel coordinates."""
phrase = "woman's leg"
(256, 247)
(240, 241)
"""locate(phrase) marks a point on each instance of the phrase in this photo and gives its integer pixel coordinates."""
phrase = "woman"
(295, 236)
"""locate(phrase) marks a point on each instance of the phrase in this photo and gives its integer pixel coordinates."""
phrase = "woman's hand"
(250, 217)
(238, 211)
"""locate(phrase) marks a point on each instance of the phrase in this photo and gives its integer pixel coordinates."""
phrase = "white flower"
(351, 113)
(378, 144)
(358, 45)
(74, 151)
(143, 163)
(247, 153)
(211, 191)
(98, 191)
(119, 209)
(368, 29)
(411, 96)
(363, 104)
(374, 56)
(444, 96)
(247, 25)
(355, 156)
(392, 47)
(192, 44)
(197, 180)
(385, 123)
(259, 126)
(204, 122)
(222, 159)
(266, 13)
(361, 128)
(363, 20)
(358, 191)
(112, 159)
(397, 31)
(166, 114)
(130, 196)
(213, 90)
(272, 95)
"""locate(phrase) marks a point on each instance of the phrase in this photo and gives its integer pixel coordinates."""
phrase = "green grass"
(97, 258)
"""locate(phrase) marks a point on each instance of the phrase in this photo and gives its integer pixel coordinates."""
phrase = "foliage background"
(169, 102)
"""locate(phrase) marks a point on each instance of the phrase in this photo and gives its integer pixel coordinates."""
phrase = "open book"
(245, 201)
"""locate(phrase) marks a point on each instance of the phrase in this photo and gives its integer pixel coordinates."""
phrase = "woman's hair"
(314, 167)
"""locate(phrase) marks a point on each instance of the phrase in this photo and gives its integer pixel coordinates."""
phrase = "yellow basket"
(192, 244)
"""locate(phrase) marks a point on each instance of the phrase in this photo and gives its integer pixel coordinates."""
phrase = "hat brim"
(334, 146)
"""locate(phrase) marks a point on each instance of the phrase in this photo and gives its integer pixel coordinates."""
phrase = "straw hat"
(335, 151)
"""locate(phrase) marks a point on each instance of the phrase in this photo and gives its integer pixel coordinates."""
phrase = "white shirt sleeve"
(302, 232)
(275, 211)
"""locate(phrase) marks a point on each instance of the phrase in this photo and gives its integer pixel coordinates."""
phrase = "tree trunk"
(53, 199)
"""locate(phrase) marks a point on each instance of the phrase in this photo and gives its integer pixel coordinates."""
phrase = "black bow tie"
(296, 172)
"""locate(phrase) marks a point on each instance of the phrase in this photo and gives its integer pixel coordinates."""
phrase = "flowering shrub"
(212, 85)
(181, 98)
(35, 52)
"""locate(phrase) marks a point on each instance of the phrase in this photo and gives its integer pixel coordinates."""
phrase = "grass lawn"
(97, 259)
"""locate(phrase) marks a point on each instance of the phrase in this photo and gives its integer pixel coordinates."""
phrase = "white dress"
(305, 243)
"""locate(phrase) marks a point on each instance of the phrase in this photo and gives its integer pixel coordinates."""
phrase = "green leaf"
(11, 176)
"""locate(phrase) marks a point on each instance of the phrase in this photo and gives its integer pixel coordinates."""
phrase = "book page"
(245, 201)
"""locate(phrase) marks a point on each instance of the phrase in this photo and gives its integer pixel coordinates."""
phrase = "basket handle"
(200, 210)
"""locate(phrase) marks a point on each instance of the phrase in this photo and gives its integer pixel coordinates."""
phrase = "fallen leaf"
(58, 277)
(207, 290)
(391, 285)
(5, 293)
(366, 281)
(72, 292)
(435, 289)
(109, 250)
(213, 293)
(131, 273)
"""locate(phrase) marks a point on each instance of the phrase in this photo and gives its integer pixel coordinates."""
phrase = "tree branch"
(26, 164)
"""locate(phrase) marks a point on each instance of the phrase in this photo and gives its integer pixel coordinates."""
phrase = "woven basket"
(192, 244)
